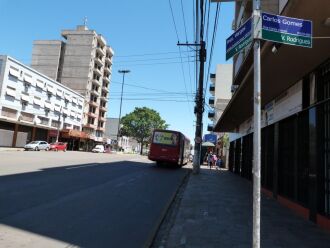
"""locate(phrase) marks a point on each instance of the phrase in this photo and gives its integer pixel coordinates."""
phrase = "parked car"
(37, 146)
(98, 148)
(58, 146)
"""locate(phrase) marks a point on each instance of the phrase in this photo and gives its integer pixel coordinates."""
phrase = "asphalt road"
(72, 199)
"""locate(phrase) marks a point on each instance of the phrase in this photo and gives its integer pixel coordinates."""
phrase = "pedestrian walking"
(214, 159)
(209, 159)
(219, 163)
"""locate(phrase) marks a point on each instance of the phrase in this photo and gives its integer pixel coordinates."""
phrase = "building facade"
(82, 62)
(33, 106)
(220, 90)
(295, 99)
(127, 144)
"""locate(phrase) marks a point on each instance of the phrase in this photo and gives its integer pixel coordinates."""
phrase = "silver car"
(37, 146)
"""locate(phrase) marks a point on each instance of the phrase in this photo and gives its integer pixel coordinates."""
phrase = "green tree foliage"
(140, 123)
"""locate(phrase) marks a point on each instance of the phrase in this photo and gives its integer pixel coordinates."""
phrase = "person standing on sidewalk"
(209, 159)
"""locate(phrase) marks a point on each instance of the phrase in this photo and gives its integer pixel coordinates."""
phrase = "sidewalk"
(216, 211)
(10, 149)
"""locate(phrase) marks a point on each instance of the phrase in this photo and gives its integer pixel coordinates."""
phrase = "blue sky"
(144, 28)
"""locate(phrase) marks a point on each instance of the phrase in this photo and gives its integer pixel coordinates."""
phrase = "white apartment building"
(34, 106)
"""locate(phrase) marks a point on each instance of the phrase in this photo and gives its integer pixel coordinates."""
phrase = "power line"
(215, 27)
(168, 58)
(151, 99)
(145, 54)
(163, 63)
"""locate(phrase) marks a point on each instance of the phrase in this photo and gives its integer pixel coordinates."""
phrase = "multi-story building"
(127, 144)
(34, 106)
(295, 100)
(220, 90)
(83, 62)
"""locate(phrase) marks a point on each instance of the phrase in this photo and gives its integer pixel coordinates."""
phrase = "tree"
(140, 123)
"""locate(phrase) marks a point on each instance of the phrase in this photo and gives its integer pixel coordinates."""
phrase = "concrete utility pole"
(199, 110)
(121, 101)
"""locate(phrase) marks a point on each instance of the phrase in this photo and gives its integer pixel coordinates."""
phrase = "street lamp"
(121, 101)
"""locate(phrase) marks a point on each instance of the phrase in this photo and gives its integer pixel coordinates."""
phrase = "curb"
(162, 216)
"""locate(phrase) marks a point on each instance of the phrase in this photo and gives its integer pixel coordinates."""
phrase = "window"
(11, 91)
(40, 84)
(91, 120)
(92, 109)
(37, 101)
(28, 79)
(25, 97)
(14, 72)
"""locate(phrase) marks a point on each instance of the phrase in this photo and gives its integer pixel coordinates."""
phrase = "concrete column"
(15, 135)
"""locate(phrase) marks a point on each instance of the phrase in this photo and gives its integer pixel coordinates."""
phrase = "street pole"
(257, 130)
(121, 101)
(199, 111)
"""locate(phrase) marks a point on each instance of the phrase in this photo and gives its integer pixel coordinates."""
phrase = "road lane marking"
(81, 166)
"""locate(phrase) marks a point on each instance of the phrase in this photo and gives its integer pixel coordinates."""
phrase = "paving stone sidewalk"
(216, 211)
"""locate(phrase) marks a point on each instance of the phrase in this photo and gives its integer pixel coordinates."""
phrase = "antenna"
(85, 21)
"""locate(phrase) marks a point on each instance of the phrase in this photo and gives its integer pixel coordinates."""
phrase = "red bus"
(169, 147)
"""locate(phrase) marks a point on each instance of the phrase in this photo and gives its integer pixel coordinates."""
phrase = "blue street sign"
(287, 30)
(239, 40)
(210, 138)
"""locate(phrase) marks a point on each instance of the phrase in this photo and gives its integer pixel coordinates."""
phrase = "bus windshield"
(165, 138)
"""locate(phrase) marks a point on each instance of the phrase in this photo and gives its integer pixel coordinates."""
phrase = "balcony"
(109, 51)
(107, 69)
(91, 114)
(211, 115)
(95, 93)
(104, 98)
(108, 60)
(105, 89)
(94, 104)
(100, 129)
(103, 108)
(212, 77)
(102, 118)
(100, 51)
(106, 79)
(99, 61)
(211, 101)
(97, 71)
(97, 82)
(210, 127)
(88, 125)
(212, 89)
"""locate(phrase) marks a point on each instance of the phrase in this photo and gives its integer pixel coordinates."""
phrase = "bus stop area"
(215, 210)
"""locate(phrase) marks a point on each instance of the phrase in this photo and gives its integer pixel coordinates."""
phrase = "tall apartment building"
(82, 62)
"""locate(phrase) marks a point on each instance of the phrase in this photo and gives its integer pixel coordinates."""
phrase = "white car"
(37, 146)
(98, 148)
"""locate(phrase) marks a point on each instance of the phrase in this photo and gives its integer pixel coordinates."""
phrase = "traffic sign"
(198, 140)
(287, 30)
(239, 40)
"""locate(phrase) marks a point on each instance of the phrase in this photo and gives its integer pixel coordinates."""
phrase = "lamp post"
(121, 102)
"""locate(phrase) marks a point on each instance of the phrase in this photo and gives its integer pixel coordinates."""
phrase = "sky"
(144, 39)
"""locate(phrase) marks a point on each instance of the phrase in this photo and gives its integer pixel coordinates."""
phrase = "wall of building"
(29, 98)
(46, 57)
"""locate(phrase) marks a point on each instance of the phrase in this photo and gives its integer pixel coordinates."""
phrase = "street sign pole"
(257, 127)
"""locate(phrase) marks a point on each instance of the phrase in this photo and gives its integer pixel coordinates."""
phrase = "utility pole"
(121, 101)
(199, 108)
